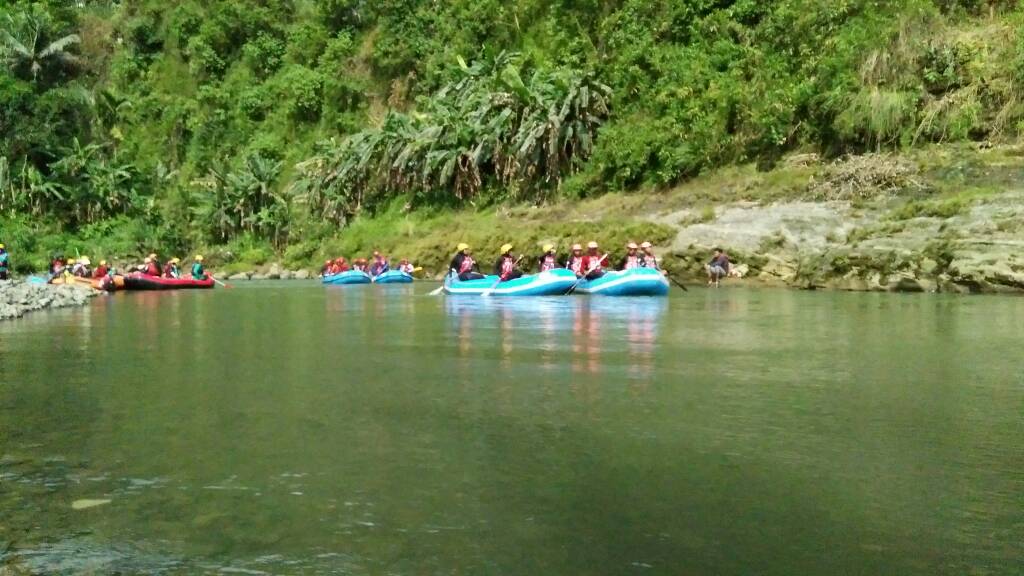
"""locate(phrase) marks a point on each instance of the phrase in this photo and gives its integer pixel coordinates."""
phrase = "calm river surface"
(285, 428)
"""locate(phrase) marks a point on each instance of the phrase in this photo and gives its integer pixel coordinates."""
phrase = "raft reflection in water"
(582, 335)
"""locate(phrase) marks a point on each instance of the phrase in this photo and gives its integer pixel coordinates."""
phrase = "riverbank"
(944, 218)
(18, 297)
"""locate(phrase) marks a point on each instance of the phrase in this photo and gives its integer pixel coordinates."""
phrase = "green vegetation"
(289, 125)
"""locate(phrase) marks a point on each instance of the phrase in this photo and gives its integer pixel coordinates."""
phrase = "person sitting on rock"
(5, 263)
(198, 272)
(718, 268)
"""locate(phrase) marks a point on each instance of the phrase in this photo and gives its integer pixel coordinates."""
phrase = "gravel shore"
(19, 297)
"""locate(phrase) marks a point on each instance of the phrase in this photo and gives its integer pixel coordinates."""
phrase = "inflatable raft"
(138, 281)
(393, 277)
(104, 283)
(633, 282)
(551, 283)
(347, 277)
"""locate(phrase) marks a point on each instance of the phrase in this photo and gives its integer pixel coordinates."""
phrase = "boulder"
(239, 276)
(285, 275)
(301, 274)
(274, 273)
(258, 277)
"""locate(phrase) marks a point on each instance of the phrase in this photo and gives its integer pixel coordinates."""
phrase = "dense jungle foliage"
(188, 123)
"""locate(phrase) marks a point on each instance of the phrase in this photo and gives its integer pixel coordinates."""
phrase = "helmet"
(153, 255)
(645, 245)
(71, 261)
(549, 247)
(103, 262)
(405, 261)
(84, 260)
(2, 247)
(591, 244)
(577, 247)
(631, 245)
(505, 248)
(461, 247)
(199, 257)
(328, 261)
(147, 259)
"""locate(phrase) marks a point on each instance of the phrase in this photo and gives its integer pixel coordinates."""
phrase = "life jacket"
(632, 262)
(591, 263)
(152, 269)
(508, 264)
(575, 264)
(197, 271)
(648, 260)
(99, 272)
(407, 268)
(169, 271)
(467, 264)
(548, 262)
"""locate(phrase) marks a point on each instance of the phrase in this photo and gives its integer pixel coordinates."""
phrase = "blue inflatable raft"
(633, 282)
(393, 277)
(551, 283)
(347, 277)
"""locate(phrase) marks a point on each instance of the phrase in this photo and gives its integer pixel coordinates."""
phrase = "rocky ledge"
(17, 298)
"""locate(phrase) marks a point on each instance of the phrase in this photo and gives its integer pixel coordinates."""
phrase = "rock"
(904, 283)
(239, 276)
(274, 273)
(929, 266)
(285, 275)
(301, 275)
(17, 298)
(258, 277)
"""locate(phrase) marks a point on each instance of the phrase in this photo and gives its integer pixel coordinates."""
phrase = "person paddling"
(359, 264)
(631, 260)
(171, 268)
(575, 260)
(718, 268)
(198, 272)
(405, 267)
(548, 260)
(340, 265)
(5, 263)
(379, 265)
(647, 257)
(594, 262)
(464, 265)
(505, 267)
(101, 270)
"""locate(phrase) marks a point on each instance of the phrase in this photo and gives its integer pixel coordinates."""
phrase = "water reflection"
(581, 333)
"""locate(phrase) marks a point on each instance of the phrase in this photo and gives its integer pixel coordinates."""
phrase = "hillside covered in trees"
(272, 124)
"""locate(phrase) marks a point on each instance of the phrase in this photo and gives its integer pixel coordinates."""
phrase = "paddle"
(440, 288)
(674, 281)
(592, 268)
(224, 284)
(500, 279)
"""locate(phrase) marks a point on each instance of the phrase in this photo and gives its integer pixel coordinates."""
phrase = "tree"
(31, 46)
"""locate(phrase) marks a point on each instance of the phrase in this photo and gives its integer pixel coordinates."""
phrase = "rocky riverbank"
(17, 297)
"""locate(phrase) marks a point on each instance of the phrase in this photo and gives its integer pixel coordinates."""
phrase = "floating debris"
(88, 503)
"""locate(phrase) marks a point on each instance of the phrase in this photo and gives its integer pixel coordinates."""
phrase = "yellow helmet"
(103, 262)
(505, 248)
(71, 261)
(199, 257)
(175, 260)
(153, 255)
(549, 247)
(462, 246)
(2, 247)
(85, 260)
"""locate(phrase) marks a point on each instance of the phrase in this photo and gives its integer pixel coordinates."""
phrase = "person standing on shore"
(718, 268)
(5, 263)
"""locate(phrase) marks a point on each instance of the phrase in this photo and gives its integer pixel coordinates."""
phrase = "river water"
(284, 428)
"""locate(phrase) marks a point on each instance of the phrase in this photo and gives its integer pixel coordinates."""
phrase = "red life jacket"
(508, 264)
(152, 269)
(467, 265)
(632, 262)
(548, 262)
(575, 264)
(99, 272)
(591, 263)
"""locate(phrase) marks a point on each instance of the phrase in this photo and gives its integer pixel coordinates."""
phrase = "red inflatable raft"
(137, 281)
